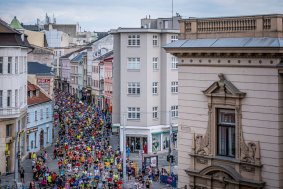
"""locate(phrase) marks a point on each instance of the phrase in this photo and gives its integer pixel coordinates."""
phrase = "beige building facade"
(230, 102)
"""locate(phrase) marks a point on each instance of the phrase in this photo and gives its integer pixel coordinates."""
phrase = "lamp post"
(124, 151)
(170, 141)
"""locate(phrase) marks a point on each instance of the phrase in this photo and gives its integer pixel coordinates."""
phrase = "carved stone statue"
(248, 152)
(201, 145)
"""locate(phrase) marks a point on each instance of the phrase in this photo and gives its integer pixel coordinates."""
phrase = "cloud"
(102, 15)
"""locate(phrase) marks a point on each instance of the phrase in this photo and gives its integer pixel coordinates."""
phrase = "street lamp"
(124, 150)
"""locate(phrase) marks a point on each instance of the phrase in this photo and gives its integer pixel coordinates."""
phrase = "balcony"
(9, 112)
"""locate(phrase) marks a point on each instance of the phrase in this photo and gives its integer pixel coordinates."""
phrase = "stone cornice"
(226, 52)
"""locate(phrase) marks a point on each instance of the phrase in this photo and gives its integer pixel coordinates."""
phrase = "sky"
(103, 15)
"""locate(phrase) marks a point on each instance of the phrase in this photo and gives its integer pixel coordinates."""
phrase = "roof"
(76, 51)
(32, 27)
(104, 56)
(39, 69)
(5, 28)
(79, 57)
(245, 42)
(41, 98)
(12, 37)
(16, 24)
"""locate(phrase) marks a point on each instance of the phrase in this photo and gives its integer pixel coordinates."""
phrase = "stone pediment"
(223, 88)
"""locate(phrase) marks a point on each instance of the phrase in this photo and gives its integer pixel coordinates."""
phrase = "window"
(174, 62)
(35, 115)
(133, 40)
(9, 70)
(1, 65)
(155, 63)
(134, 113)
(174, 111)
(134, 88)
(154, 112)
(1, 98)
(47, 134)
(41, 113)
(174, 87)
(25, 64)
(47, 112)
(154, 87)
(174, 38)
(134, 63)
(226, 132)
(9, 98)
(16, 98)
(16, 65)
(27, 117)
(155, 40)
(9, 130)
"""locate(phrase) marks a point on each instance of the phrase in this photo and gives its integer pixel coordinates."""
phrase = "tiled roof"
(39, 69)
(41, 98)
(244, 42)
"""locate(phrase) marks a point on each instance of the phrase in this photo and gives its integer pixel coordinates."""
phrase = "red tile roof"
(41, 98)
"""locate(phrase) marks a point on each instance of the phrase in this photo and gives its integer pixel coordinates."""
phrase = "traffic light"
(170, 158)
(174, 137)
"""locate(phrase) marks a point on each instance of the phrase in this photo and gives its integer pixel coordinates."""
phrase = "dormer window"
(33, 93)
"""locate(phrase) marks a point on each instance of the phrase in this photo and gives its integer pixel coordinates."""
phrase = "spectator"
(22, 174)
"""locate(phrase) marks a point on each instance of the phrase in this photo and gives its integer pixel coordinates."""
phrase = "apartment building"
(13, 99)
(39, 119)
(145, 84)
(230, 102)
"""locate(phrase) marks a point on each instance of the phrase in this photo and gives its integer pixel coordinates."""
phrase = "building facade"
(145, 88)
(230, 97)
(77, 74)
(39, 119)
(13, 100)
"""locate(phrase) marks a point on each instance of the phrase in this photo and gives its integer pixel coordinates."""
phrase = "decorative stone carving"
(250, 152)
(201, 143)
(202, 160)
(248, 168)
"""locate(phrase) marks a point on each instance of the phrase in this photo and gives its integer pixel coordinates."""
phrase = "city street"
(52, 164)
(63, 141)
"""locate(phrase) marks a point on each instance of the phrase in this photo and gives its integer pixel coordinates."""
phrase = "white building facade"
(39, 119)
(13, 100)
(145, 84)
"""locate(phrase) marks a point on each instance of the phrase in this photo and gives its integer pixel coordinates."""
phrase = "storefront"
(156, 142)
(137, 143)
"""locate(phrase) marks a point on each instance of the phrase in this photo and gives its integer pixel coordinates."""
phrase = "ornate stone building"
(230, 102)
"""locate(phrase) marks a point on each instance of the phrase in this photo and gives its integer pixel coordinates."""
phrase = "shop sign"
(32, 130)
(153, 162)
(44, 84)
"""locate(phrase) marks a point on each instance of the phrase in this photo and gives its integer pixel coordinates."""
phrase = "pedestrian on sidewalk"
(22, 174)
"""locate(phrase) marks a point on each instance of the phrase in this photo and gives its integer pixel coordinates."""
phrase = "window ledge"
(134, 95)
(225, 158)
(135, 46)
(133, 70)
(136, 120)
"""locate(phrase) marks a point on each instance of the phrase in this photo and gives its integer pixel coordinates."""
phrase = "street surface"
(75, 140)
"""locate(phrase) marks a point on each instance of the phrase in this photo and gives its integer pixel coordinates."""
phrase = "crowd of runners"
(86, 160)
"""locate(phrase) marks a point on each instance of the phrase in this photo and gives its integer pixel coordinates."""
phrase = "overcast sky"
(103, 15)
